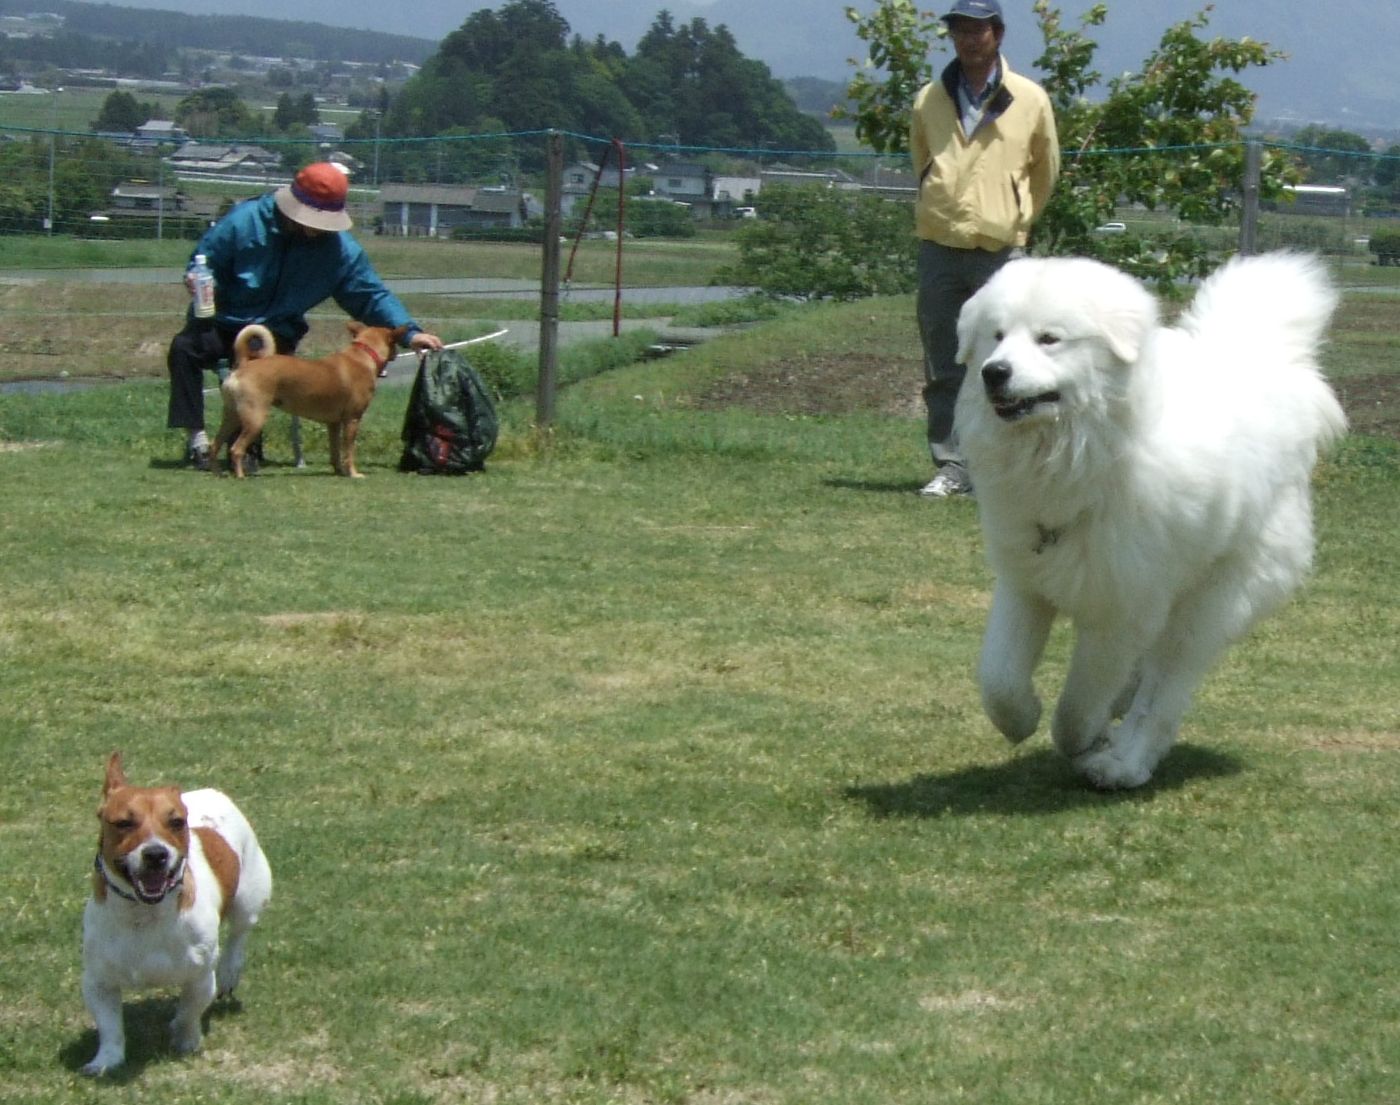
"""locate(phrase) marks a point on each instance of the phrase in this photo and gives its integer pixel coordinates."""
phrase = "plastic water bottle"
(203, 287)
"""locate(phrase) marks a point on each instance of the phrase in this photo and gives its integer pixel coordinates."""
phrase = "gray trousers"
(947, 279)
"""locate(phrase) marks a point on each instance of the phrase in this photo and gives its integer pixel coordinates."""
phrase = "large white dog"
(1151, 484)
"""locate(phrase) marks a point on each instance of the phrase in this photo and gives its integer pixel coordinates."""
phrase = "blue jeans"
(947, 279)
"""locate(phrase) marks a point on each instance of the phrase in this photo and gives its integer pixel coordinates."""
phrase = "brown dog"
(335, 390)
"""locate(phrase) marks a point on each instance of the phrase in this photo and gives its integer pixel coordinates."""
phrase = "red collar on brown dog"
(379, 362)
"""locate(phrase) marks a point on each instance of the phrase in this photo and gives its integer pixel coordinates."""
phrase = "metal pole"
(53, 140)
(549, 284)
(377, 116)
(621, 230)
(1249, 215)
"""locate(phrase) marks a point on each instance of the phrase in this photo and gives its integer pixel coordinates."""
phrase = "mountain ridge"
(813, 38)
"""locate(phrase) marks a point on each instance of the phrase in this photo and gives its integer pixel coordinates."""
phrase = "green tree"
(693, 83)
(121, 111)
(1331, 156)
(284, 116)
(1176, 126)
(824, 243)
(215, 113)
(1388, 174)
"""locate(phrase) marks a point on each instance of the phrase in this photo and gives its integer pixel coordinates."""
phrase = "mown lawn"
(648, 767)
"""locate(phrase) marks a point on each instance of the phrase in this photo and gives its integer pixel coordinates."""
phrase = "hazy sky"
(427, 18)
(812, 37)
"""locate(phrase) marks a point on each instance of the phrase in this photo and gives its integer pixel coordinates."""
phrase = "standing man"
(273, 259)
(986, 153)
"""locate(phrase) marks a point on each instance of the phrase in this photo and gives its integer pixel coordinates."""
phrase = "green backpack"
(450, 426)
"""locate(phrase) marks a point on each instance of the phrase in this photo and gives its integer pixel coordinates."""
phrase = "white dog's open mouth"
(1009, 410)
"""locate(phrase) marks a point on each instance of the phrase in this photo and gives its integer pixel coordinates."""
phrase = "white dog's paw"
(1109, 769)
(185, 1036)
(106, 1059)
(1016, 716)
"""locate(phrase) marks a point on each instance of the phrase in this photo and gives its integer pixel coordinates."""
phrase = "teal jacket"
(263, 274)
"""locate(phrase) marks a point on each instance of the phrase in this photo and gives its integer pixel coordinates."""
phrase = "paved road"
(485, 286)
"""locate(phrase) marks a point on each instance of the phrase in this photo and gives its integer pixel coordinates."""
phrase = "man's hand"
(423, 341)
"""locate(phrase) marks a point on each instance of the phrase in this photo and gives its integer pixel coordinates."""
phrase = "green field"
(72, 110)
(648, 767)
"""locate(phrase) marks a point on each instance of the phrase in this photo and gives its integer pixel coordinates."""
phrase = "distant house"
(578, 182)
(832, 178)
(148, 204)
(738, 190)
(139, 197)
(161, 131)
(326, 133)
(229, 160)
(436, 210)
(579, 176)
(730, 193)
(681, 181)
(687, 183)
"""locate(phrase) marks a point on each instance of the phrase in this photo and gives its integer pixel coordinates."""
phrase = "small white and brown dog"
(170, 868)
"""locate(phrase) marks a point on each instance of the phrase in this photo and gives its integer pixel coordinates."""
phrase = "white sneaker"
(950, 480)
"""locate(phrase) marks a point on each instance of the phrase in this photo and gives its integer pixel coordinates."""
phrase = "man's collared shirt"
(971, 106)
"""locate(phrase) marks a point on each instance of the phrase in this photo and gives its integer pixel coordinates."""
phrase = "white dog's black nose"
(995, 376)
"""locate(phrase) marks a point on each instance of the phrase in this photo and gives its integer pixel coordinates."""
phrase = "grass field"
(648, 767)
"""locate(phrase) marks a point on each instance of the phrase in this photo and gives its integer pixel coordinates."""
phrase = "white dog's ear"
(969, 319)
(1127, 325)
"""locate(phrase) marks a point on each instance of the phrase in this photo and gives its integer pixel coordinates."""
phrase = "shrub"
(1385, 244)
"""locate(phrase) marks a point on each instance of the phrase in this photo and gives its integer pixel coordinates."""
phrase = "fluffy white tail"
(1288, 295)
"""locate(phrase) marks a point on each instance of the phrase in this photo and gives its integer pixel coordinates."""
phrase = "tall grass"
(648, 767)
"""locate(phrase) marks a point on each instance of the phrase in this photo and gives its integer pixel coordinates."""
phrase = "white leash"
(422, 352)
(457, 344)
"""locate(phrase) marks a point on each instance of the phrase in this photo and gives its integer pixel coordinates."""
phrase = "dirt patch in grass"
(1372, 403)
(816, 384)
(820, 384)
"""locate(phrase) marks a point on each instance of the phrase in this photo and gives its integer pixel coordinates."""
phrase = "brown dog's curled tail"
(254, 340)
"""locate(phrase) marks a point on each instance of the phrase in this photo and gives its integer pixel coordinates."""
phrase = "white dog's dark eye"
(1047, 339)
(1000, 335)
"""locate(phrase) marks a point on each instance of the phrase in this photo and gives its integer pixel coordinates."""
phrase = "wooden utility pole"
(549, 284)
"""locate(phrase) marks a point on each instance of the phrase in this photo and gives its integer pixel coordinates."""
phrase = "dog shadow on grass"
(1031, 784)
(147, 1036)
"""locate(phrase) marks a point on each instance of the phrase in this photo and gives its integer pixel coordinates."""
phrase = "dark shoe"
(198, 457)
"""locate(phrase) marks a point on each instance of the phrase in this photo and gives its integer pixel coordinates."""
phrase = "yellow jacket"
(983, 192)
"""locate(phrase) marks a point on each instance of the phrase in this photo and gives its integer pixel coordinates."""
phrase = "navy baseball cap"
(975, 9)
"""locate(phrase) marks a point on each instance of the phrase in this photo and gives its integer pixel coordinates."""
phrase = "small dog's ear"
(116, 777)
(355, 328)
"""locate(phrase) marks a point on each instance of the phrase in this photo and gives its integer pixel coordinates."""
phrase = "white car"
(1112, 228)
